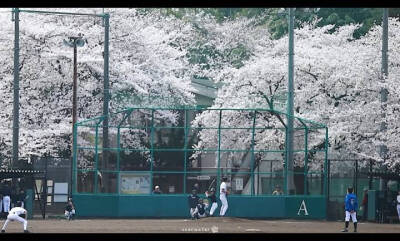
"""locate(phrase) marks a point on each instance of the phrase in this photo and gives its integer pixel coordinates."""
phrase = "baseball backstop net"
(174, 148)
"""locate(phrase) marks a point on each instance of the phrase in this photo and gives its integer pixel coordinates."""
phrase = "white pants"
(6, 204)
(213, 207)
(15, 217)
(398, 210)
(224, 206)
(69, 214)
(193, 212)
(353, 216)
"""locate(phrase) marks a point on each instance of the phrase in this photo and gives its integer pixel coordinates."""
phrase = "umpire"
(193, 200)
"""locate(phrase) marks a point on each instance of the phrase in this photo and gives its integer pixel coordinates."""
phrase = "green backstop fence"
(174, 148)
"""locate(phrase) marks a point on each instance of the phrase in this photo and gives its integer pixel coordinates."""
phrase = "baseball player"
(14, 215)
(351, 206)
(213, 200)
(398, 204)
(200, 211)
(6, 197)
(69, 210)
(193, 200)
(223, 192)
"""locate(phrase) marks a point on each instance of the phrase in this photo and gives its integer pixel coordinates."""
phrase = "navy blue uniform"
(213, 198)
(193, 200)
(201, 208)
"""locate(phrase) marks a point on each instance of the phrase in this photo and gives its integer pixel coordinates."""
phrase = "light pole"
(74, 42)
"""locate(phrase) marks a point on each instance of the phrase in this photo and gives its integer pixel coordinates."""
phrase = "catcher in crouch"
(200, 211)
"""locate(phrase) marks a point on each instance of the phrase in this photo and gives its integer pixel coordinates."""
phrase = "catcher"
(200, 211)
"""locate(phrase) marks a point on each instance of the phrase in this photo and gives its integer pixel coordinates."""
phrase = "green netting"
(176, 147)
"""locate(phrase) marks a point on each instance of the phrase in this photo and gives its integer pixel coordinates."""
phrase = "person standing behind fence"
(398, 204)
(364, 205)
(6, 198)
(157, 190)
(351, 206)
(278, 190)
(223, 192)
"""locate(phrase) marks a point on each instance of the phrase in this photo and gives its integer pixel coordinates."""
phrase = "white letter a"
(303, 207)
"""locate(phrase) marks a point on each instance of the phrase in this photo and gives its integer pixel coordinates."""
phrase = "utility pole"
(74, 42)
(16, 89)
(384, 73)
(290, 113)
(106, 93)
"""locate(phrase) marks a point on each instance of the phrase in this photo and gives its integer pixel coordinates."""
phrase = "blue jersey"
(350, 202)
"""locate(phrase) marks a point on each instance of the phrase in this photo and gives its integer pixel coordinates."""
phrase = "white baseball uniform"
(222, 197)
(398, 205)
(14, 216)
(6, 204)
(353, 216)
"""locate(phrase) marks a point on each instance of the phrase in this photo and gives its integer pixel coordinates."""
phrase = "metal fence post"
(16, 89)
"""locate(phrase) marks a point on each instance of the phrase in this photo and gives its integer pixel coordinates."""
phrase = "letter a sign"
(303, 208)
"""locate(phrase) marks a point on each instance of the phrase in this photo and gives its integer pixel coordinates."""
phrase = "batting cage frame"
(150, 146)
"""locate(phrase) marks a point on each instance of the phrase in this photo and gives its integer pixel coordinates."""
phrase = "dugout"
(17, 180)
(119, 158)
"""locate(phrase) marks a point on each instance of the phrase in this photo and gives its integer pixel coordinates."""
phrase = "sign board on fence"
(239, 183)
(133, 183)
(203, 178)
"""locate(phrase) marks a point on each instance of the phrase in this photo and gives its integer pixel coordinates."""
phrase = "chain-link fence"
(362, 175)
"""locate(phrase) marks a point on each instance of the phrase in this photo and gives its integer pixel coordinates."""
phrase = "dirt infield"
(207, 225)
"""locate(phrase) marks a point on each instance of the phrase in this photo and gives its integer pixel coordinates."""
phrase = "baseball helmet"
(212, 189)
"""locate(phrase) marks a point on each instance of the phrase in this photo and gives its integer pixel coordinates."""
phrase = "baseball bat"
(209, 187)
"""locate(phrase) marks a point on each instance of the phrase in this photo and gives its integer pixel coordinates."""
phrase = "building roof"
(17, 173)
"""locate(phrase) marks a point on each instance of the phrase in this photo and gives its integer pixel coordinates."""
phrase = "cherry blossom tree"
(337, 82)
(146, 59)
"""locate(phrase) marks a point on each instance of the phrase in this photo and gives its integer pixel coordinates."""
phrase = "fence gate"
(52, 188)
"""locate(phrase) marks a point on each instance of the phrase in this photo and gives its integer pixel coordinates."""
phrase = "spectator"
(364, 205)
(398, 204)
(197, 187)
(278, 190)
(1, 203)
(157, 190)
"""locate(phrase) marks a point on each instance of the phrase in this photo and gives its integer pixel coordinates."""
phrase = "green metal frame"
(305, 125)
